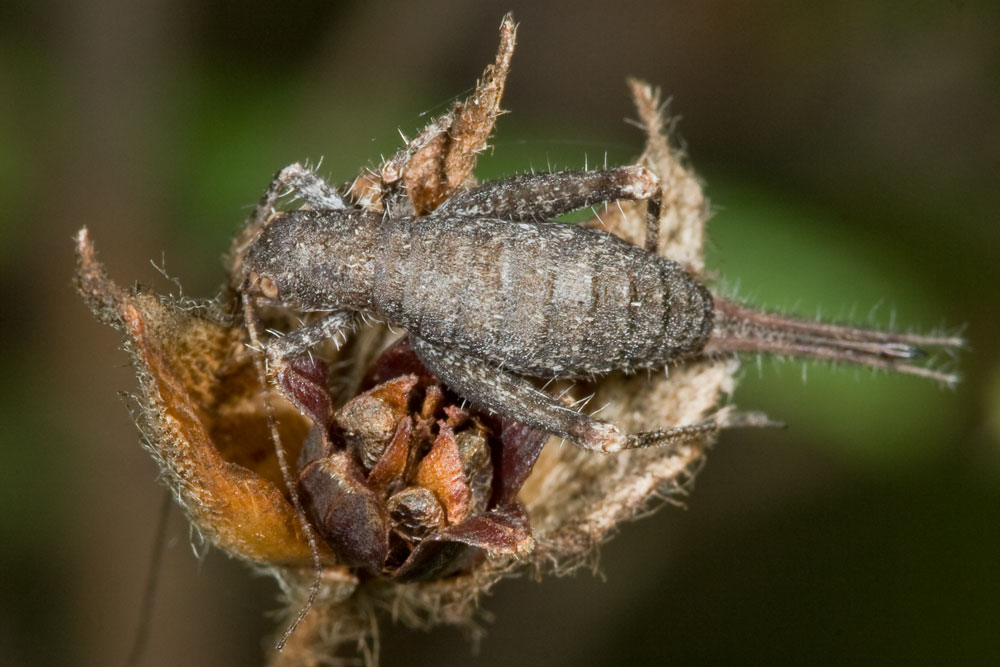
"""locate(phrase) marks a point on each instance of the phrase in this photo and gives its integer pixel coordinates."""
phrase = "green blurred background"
(851, 151)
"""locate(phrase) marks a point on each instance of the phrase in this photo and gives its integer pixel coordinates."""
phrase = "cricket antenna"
(253, 329)
(741, 329)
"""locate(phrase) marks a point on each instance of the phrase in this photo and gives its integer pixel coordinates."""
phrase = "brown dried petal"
(474, 450)
(304, 382)
(345, 512)
(370, 420)
(455, 416)
(440, 159)
(391, 467)
(515, 458)
(432, 401)
(202, 415)
(504, 530)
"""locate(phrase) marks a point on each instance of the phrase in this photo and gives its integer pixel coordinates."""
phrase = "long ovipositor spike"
(739, 329)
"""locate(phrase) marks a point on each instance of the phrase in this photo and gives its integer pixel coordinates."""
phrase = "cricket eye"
(267, 287)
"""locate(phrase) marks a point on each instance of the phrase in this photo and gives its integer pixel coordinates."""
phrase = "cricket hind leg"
(514, 397)
(541, 197)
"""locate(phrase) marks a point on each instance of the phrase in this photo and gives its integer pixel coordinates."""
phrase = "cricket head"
(266, 265)
(312, 259)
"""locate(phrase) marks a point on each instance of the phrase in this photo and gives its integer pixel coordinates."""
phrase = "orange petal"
(443, 472)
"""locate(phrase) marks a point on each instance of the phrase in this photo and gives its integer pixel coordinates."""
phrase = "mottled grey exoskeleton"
(492, 291)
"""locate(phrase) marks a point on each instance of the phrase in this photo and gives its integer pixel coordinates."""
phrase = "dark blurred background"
(852, 153)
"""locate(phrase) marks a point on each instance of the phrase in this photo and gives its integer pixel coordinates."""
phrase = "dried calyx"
(400, 481)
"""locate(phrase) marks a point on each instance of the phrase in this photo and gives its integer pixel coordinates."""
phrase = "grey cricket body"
(532, 298)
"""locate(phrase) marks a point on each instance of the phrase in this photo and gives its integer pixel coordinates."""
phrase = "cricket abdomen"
(539, 299)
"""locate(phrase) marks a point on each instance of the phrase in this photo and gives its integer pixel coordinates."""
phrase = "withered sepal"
(200, 408)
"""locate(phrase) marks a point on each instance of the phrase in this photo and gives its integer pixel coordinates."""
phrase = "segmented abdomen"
(538, 298)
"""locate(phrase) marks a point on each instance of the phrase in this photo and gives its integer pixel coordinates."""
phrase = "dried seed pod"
(427, 484)
(415, 513)
(202, 416)
(474, 450)
(390, 472)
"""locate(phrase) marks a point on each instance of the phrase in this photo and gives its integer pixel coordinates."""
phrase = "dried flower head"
(422, 503)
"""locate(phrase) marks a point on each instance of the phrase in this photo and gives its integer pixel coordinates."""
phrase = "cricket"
(492, 292)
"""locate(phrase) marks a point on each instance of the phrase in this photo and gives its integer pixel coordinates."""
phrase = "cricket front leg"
(514, 397)
(333, 326)
(543, 196)
(307, 186)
